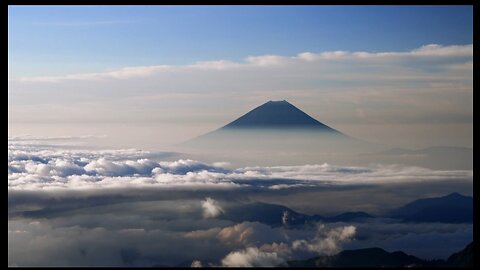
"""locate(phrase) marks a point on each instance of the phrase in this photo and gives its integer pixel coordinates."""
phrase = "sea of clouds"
(128, 207)
(33, 167)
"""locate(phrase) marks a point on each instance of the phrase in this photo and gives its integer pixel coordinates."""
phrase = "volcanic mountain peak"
(278, 126)
(277, 114)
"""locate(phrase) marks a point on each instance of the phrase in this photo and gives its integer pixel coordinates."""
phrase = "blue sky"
(58, 40)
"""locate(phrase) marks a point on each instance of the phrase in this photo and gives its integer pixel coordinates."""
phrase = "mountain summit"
(277, 115)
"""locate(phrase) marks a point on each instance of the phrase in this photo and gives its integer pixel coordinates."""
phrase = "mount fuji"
(278, 129)
(278, 115)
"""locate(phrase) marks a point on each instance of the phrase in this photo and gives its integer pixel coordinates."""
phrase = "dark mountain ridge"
(279, 215)
(377, 257)
(452, 208)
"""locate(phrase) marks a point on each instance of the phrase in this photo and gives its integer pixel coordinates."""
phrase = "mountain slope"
(463, 258)
(368, 257)
(453, 208)
(277, 114)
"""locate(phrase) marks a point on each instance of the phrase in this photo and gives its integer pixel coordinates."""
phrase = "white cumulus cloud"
(251, 257)
(196, 263)
(326, 241)
(33, 167)
(211, 208)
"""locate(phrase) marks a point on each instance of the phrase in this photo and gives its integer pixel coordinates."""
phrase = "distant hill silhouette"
(269, 214)
(279, 215)
(453, 208)
(377, 257)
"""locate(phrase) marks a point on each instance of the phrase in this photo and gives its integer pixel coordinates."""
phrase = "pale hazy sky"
(154, 76)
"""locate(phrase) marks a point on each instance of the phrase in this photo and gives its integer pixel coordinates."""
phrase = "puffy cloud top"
(35, 168)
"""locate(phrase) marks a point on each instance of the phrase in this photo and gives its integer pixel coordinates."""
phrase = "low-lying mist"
(279, 147)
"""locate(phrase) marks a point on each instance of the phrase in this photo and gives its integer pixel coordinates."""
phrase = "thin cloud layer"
(426, 51)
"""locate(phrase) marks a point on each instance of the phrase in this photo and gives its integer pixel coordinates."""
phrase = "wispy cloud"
(428, 51)
(28, 137)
